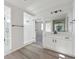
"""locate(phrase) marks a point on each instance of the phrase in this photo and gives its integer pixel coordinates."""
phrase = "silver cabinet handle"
(4, 39)
(55, 41)
(66, 37)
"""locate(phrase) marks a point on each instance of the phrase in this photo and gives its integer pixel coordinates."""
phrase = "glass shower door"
(7, 29)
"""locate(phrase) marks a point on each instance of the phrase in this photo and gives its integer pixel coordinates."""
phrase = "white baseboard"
(9, 52)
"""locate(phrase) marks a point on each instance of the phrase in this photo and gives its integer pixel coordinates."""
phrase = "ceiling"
(42, 8)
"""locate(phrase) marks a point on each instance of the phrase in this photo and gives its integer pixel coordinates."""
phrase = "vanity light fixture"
(56, 11)
(60, 10)
(72, 21)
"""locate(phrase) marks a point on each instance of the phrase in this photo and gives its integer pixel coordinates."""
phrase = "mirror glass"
(59, 25)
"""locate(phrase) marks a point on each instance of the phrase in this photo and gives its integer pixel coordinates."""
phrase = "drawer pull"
(66, 37)
(55, 41)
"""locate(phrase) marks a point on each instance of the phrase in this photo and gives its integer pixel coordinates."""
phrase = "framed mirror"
(59, 25)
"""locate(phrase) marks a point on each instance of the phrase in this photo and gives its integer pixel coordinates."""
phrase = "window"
(48, 27)
(41, 26)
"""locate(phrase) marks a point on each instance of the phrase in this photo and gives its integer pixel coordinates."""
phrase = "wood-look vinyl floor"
(34, 51)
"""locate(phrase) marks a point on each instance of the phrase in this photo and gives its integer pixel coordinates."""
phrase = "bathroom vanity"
(62, 41)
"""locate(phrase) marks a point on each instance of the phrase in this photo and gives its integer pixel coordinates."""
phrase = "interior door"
(29, 29)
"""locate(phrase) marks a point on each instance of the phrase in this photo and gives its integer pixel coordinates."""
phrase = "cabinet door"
(59, 44)
(48, 43)
(64, 46)
(52, 43)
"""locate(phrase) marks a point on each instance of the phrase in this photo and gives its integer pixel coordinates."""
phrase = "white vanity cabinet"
(59, 42)
(64, 45)
(48, 42)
